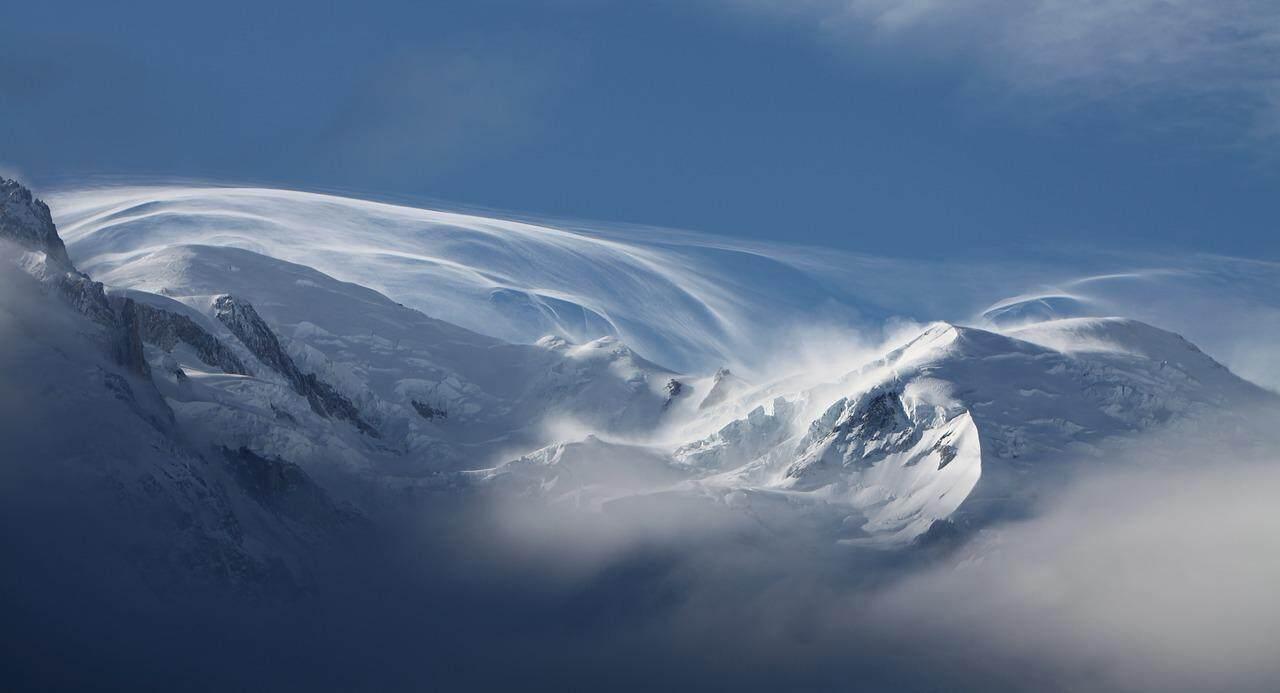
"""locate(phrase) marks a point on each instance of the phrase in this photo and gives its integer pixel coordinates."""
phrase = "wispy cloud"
(1182, 61)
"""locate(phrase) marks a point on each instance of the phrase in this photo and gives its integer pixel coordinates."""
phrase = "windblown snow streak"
(691, 301)
(686, 305)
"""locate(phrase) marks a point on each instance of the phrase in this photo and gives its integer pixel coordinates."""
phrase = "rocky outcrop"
(165, 329)
(26, 221)
(244, 322)
(429, 412)
(857, 433)
(85, 295)
(674, 389)
(286, 491)
(877, 424)
(724, 385)
(119, 317)
(127, 339)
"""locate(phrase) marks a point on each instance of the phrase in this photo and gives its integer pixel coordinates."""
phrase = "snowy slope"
(1230, 307)
(691, 306)
(958, 420)
(415, 392)
(256, 353)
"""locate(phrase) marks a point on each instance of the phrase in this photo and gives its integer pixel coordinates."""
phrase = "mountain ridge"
(280, 361)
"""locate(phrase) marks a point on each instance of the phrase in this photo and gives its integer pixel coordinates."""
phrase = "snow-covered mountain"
(692, 302)
(342, 371)
(265, 329)
(100, 473)
(688, 305)
(960, 423)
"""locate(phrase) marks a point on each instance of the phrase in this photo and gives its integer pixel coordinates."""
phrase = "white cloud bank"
(1154, 576)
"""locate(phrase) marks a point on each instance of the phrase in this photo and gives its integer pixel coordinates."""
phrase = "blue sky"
(902, 127)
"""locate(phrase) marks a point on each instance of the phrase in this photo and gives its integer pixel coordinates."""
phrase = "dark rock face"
(165, 329)
(723, 386)
(875, 418)
(284, 489)
(332, 403)
(429, 412)
(858, 434)
(245, 323)
(674, 389)
(877, 426)
(127, 344)
(119, 318)
(946, 453)
(942, 536)
(86, 296)
(26, 221)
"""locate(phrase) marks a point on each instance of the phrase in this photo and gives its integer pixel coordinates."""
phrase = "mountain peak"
(26, 220)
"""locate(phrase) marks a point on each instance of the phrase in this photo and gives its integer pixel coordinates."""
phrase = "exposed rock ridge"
(285, 490)
(165, 329)
(856, 433)
(723, 386)
(26, 219)
(244, 322)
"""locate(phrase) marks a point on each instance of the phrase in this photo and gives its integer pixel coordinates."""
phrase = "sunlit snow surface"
(686, 305)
